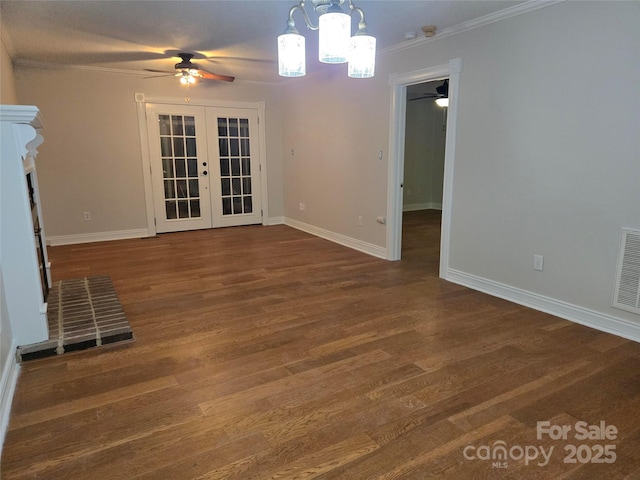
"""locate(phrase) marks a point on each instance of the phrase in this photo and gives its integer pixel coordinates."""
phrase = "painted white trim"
(395, 167)
(97, 237)
(343, 240)
(23, 114)
(201, 102)
(574, 313)
(421, 206)
(498, 16)
(399, 83)
(8, 384)
(262, 142)
(145, 157)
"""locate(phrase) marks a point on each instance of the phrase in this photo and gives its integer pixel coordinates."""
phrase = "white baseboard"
(96, 237)
(8, 383)
(275, 221)
(421, 206)
(584, 316)
(353, 243)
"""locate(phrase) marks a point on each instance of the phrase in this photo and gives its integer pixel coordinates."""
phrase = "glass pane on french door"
(179, 166)
(235, 165)
(237, 199)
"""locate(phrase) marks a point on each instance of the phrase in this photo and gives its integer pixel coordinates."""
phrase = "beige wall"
(91, 156)
(8, 95)
(547, 153)
(336, 127)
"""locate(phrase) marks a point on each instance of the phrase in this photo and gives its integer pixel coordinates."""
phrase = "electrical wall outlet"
(360, 220)
(302, 207)
(86, 216)
(538, 262)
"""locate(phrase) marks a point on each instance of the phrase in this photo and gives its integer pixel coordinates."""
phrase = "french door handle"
(204, 174)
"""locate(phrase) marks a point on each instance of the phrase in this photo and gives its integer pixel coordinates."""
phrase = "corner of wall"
(8, 92)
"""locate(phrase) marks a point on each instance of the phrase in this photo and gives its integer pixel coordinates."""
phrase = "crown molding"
(23, 114)
(510, 12)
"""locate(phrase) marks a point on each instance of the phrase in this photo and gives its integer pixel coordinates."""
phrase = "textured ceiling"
(229, 37)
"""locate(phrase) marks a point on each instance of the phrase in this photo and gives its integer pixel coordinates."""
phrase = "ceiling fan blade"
(242, 59)
(422, 97)
(159, 71)
(160, 76)
(215, 76)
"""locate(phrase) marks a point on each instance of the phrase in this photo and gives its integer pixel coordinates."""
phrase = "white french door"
(235, 179)
(205, 168)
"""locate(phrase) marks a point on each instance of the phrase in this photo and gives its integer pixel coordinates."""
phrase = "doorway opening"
(424, 152)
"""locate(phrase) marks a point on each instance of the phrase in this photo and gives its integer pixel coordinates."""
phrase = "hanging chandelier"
(336, 45)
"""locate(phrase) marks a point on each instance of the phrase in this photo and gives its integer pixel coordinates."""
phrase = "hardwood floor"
(266, 353)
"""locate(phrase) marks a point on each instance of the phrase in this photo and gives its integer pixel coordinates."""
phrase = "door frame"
(397, 124)
(141, 100)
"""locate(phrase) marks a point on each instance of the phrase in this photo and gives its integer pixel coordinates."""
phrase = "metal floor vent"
(627, 292)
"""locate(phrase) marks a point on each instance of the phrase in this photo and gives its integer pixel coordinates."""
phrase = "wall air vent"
(627, 292)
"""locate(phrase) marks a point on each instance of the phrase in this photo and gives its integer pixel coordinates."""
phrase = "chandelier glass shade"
(291, 60)
(335, 43)
(334, 32)
(362, 56)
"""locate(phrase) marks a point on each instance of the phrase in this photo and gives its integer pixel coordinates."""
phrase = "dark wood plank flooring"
(266, 353)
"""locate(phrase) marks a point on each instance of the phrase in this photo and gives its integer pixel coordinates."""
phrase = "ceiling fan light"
(334, 34)
(291, 55)
(442, 102)
(187, 78)
(362, 56)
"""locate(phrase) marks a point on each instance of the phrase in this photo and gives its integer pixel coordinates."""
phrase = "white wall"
(424, 155)
(547, 154)
(91, 157)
